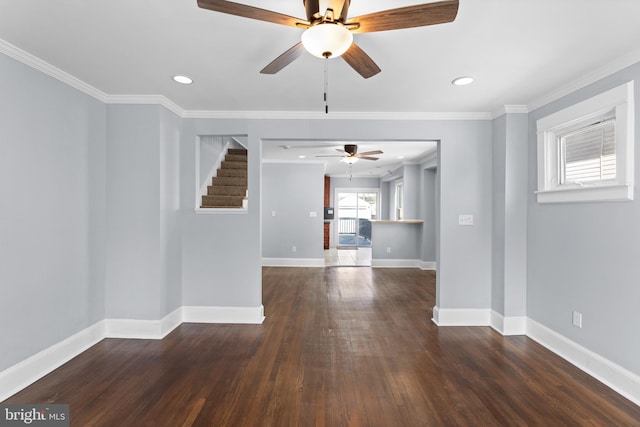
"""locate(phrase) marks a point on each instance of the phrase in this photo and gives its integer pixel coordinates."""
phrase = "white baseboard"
(144, 329)
(244, 315)
(461, 316)
(293, 262)
(510, 325)
(26, 372)
(30, 370)
(615, 376)
(395, 263)
(427, 265)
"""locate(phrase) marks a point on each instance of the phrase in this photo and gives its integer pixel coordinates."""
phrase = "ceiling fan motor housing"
(351, 149)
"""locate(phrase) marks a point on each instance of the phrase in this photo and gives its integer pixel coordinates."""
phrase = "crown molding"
(34, 62)
(340, 115)
(600, 73)
(50, 70)
(146, 100)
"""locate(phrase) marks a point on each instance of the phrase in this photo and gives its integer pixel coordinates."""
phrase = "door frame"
(354, 190)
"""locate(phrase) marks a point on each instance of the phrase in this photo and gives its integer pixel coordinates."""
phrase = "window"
(585, 152)
(399, 201)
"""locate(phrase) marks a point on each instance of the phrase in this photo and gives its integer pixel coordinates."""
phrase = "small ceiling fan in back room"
(329, 29)
(350, 155)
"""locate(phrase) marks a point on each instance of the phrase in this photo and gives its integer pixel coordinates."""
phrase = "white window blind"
(589, 154)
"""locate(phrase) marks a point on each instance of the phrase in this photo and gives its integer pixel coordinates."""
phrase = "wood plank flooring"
(339, 347)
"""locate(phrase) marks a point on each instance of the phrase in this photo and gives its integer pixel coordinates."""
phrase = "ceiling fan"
(350, 154)
(329, 34)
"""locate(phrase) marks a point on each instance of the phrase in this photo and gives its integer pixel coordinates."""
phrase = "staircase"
(228, 188)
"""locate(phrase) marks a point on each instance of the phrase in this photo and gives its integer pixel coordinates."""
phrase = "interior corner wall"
(170, 226)
(411, 191)
(133, 223)
(498, 217)
(291, 192)
(428, 209)
(509, 227)
(52, 143)
(584, 256)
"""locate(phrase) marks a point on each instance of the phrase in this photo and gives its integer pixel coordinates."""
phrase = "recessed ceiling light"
(462, 81)
(302, 157)
(183, 80)
(400, 157)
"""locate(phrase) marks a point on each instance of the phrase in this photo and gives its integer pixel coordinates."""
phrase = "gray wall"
(292, 191)
(76, 254)
(427, 211)
(402, 239)
(464, 256)
(51, 211)
(143, 230)
(584, 256)
(509, 228)
(221, 253)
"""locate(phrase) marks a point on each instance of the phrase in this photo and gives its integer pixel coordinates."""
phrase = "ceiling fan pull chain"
(326, 85)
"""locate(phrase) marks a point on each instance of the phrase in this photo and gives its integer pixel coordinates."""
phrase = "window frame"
(617, 103)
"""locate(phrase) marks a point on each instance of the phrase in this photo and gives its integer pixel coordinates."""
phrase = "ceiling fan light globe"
(350, 160)
(327, 40)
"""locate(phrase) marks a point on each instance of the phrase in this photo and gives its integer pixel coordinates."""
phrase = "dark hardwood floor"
(339, 347)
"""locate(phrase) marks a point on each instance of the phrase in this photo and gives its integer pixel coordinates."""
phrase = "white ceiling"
(519, 51)
(395, 154)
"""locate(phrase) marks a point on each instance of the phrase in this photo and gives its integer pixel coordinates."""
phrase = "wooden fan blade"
(331, 155)
(360, 61)
(344, 11)
(367, 158)
(285, 59)
(312, 7)
(406, 17)
(368, 153)
(251, 12)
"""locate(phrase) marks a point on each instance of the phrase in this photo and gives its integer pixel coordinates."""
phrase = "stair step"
(232, 173)
(235, 158)
(226, 190)
(233, 165)
(236, 181)
(222, 201)
(241, 151)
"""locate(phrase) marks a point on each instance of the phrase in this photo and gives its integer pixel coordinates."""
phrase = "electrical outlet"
(577, 319)
(465, 219)
(388, 249)
(294, 249)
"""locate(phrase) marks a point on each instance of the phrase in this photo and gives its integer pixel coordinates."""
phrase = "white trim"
(134, 329)
(395, 263)
(596, 193)
(511, 109)
(146, 100)
(619, 102)
(243, 315)
(606, 70)
(614, 376)
(340, 115)
(427, 265)
(28, 371)
(293, 262)
(461, 316)
(44, 67)
(171, 321)
(219, 211)
(510, 325)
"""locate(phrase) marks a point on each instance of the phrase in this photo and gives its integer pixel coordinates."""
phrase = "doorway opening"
(354, 211)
